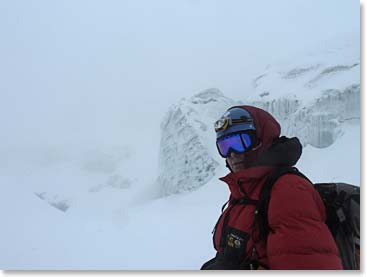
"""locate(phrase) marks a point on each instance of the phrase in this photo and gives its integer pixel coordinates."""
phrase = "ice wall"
(187, 148)
(321, 122)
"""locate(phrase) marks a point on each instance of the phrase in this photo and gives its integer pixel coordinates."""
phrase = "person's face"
(236, 161)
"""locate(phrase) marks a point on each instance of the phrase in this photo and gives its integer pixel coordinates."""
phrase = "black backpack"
(342, 203)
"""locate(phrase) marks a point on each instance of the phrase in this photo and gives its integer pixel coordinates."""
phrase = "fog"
(77, 73)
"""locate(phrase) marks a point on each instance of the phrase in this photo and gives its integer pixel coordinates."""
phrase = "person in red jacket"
(249, 139)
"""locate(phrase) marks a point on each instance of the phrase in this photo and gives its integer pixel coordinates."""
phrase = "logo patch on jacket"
(234, 240)
(235, 244)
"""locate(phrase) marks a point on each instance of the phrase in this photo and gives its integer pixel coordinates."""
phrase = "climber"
(248, 138)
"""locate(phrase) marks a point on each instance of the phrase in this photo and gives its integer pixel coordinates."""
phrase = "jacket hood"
(272, 150)
(267, 128)
(283, 152)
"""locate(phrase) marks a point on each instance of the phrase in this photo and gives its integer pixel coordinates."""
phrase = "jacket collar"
(245, 182)
(283, 152)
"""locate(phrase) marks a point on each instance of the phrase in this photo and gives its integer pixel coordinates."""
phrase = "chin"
(236, 169)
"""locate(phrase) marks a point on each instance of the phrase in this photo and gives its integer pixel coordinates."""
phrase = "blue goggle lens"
(238, 143)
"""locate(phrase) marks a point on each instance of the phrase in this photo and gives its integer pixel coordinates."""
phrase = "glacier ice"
(317, 124)
(187, 146)
(313, 99)
(187, 157)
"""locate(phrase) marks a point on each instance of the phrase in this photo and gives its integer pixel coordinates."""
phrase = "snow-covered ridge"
(333, 64)
(314, 99)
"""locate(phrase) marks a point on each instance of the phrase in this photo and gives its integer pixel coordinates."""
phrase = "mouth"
(238, 163)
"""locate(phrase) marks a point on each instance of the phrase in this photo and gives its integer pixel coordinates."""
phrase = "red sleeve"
(299, 237)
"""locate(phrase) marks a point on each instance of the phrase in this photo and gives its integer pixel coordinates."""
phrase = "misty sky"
(75, 71)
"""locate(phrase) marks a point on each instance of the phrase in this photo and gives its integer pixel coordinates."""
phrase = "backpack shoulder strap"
(261, 212)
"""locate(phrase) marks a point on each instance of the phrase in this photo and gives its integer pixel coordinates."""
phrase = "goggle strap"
(241, 120)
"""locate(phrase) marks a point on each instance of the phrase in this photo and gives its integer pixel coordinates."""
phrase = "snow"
(102, 232)
(142, 207)
(96, 234)
(340, 162)
(333, 64)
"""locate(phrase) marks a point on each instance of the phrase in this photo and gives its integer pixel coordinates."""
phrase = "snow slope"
(167, 233)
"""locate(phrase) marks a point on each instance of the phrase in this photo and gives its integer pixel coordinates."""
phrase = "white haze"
(86, 72)
(84, 87)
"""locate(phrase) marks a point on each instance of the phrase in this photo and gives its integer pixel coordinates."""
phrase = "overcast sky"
(103, 70)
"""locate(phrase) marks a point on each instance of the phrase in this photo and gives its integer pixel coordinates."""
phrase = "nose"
(232, 155)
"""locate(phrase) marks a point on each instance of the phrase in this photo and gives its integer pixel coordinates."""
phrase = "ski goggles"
(238, 143)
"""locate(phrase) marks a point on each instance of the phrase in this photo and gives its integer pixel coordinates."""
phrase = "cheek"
(229, 161)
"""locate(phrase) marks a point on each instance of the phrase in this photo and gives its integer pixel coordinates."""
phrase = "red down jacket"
(298, 237)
